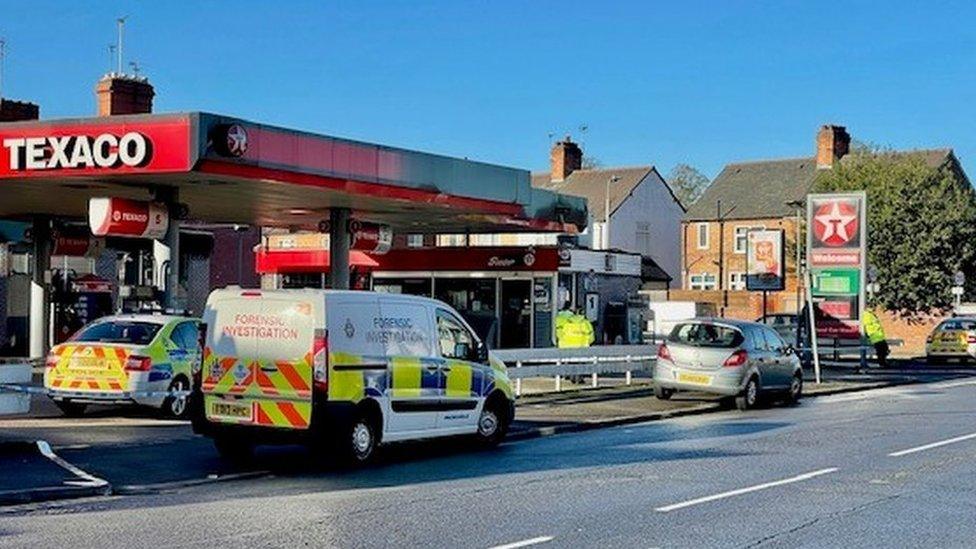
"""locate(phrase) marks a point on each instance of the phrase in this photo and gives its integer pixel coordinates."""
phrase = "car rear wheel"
(663, 393)
(178, 407)
(360, 440)
(749, 398)
(71, 409)
(796, 390)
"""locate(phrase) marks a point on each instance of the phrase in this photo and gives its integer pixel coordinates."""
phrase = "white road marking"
(740, 491)
(952, 384)
(87, 480)
(932, 445)
(525, 542)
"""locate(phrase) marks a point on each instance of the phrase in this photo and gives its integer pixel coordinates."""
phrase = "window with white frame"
(702, 232)
(415, 241)
(452, 240)
(702, 281)
(741, 233)
(643, 238)
(737, 281)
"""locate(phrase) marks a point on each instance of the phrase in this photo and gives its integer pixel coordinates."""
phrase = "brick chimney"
(15, 111)
(124, 94)
(833, 142)
(565, 158)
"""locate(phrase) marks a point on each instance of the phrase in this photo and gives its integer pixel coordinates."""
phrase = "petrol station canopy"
(229, 170)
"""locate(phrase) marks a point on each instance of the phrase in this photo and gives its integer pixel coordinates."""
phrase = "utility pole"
(3, 56)
(606, 212)
(118, 50)
(721, 252)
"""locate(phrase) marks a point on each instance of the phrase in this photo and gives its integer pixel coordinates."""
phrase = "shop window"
(741, 234)
(703, 281)
(452, 240)
(702, 232)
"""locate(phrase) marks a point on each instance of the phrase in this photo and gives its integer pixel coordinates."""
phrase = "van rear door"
(258, 359)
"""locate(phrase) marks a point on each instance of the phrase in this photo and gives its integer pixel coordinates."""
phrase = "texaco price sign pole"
(836, 267)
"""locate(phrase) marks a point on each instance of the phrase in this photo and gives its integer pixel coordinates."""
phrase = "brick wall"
(698, 261)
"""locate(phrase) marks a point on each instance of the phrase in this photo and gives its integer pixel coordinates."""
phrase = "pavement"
(887, 467)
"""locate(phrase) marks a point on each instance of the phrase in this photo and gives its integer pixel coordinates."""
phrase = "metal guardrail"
(585, 361)
(14, 374)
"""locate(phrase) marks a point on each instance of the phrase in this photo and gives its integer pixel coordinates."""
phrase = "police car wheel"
(71, 409)
(491, 424)
(177, 406)
(361, 440)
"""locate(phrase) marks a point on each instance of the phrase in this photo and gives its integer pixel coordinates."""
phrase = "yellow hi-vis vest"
(573, 331)
(872, 328)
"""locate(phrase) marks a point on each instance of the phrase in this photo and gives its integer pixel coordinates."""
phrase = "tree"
(591, 163)
(687, 183)
(921, 224)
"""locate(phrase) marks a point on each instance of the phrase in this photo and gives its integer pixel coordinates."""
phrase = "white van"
(354, 368)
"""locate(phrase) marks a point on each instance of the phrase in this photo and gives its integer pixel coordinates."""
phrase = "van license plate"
(231, 410)
(697, 379)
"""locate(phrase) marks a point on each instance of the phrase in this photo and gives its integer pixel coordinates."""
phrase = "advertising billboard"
(764, 260)
(836, 255)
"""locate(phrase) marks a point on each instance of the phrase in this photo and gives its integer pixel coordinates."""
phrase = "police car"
(343, 368)
(125, 359)
(953, 338)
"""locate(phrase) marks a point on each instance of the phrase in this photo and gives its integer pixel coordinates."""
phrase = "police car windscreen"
(118, 331)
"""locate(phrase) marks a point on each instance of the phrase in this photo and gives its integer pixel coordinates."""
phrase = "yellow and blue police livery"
(359, 368)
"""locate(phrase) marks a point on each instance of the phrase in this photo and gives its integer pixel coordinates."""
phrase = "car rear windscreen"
(118, 331)
(698, 334)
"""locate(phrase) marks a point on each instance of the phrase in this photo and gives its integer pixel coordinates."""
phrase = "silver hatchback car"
(746, 360)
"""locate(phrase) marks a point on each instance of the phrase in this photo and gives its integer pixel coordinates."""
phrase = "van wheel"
(71, 409)
(796, 390)
(233, 449)
(749, 398)
(492, 423)
(663, 393)
(359, 440)
(177, 407)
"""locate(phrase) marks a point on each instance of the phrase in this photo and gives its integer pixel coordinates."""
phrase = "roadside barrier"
(579, 362)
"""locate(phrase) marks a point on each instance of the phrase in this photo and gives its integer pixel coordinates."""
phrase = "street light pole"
(606, 212)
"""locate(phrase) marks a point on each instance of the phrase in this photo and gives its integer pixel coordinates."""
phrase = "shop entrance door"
(516, 313)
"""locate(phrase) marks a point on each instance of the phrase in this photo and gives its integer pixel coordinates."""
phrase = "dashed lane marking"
(932, 445)
(741, 491)
(525, 542)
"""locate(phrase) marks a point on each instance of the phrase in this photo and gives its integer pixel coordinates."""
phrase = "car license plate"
(86, 363)
(231, 410)
(697, 379)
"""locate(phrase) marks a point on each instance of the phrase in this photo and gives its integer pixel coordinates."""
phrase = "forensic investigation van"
(343, 369)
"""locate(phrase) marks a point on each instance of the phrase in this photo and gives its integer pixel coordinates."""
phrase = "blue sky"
(704, 83)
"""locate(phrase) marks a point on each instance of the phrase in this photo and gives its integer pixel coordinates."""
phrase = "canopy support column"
(40, 296)
(339, 243)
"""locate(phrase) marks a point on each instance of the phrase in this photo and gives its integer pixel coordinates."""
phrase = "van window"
(454, 339)
(119, 331)
(696, 334)
(405, 328)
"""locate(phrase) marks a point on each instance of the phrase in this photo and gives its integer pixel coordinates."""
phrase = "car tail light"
(663, 353)
(136, 363)
(320, 361)
(251, 293)
(971, 338)
(737, 359)
(51, 361)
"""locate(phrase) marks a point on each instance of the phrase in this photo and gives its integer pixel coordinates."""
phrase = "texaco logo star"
(835, 223)
(236, 140)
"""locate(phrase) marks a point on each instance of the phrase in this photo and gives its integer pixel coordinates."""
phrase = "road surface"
(891, 467)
